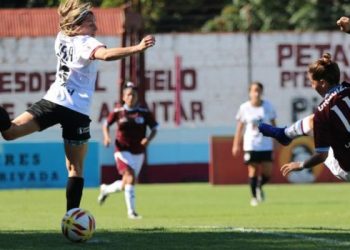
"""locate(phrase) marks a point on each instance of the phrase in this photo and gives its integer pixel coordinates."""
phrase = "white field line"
(274, 233)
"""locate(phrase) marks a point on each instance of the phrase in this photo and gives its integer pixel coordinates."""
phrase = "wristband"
(301, 164)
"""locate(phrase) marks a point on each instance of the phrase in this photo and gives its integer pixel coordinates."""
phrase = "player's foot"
(254, 202)
(102, 196)
(134, 216)
(274, 132)
(260, 195)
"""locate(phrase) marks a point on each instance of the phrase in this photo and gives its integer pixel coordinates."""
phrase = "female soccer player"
(132, 121)
(257, 149)
(331, 121)
(68, 100)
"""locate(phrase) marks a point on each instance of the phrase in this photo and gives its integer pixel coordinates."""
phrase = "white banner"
(214, 72)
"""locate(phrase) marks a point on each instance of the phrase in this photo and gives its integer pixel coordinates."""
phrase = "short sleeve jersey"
(131, 128)
(76, 72)
(332, 124)
(251, 116)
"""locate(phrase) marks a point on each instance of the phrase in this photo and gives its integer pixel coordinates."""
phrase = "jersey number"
(340, 114)
(65, 54)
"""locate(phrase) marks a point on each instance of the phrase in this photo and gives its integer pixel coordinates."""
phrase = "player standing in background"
(130, 143)
(331, 121)
(257, 149)
(68, 100)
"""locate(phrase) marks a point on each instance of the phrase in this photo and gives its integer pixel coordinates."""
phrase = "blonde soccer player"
(68, 100)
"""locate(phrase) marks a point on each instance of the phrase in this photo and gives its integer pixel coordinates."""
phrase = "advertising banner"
(42, 165)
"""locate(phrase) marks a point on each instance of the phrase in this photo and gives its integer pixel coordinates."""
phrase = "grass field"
(186, 216)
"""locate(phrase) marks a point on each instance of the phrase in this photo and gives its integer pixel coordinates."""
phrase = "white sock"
(114, 187)
(130, 198)
(299, 128)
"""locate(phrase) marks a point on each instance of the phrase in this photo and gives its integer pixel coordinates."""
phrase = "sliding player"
(330, 122)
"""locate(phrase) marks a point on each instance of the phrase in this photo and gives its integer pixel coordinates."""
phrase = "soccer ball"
(78, 225)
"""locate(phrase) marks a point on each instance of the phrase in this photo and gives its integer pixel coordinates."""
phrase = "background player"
(130, 143)
(257, 149)
(68, 100)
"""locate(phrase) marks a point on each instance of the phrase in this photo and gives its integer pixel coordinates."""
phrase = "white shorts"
(126, 159)
(333, 165)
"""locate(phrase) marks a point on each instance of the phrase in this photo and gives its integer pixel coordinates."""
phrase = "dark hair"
(325, 69)
(259, 84)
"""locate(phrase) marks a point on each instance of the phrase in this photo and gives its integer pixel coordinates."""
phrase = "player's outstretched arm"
(119, 53)
(344, 24)
(310, 163)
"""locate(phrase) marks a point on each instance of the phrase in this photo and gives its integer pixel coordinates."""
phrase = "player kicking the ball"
(69, 98)
(132, 121)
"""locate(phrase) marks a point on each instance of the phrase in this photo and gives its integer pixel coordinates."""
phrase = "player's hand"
(344, 24)
(290, 167)
(236, 150)
(146, 42)
(144, 142)
(107, 141)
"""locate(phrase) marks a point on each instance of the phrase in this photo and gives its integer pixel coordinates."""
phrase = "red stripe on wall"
(192, 172)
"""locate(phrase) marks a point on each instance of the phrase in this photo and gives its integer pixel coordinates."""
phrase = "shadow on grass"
(162, 238)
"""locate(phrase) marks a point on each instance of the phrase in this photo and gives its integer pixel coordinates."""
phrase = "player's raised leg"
(106, 190)
(286, 135)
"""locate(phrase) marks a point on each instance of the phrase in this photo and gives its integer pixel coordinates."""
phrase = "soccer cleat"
(134, 216)
(254, 202)
(102, 196)
(260, 195)
(274, 132)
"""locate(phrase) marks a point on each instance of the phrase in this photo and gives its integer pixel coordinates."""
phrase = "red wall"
(196, 172)
(225, 169)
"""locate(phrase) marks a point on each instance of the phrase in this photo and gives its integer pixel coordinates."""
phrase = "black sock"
(262, 180)
(5, 121)
(74, 191)
(253, 183)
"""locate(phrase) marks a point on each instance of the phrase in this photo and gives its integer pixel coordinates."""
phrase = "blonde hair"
(72, 13)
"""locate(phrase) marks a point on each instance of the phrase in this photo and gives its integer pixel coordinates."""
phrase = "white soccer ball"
(78, 225)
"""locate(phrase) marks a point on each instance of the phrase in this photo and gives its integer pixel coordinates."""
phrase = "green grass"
(186, 216)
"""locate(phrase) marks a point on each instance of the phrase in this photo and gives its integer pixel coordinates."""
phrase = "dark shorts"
(257, 156)
(75, 126)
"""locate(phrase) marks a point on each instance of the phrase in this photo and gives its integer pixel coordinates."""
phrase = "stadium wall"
(214, 83)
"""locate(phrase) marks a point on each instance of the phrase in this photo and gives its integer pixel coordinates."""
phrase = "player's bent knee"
(9, 136)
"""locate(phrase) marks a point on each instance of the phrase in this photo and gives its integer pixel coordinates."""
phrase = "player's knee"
(8, 136)
(75, 170)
